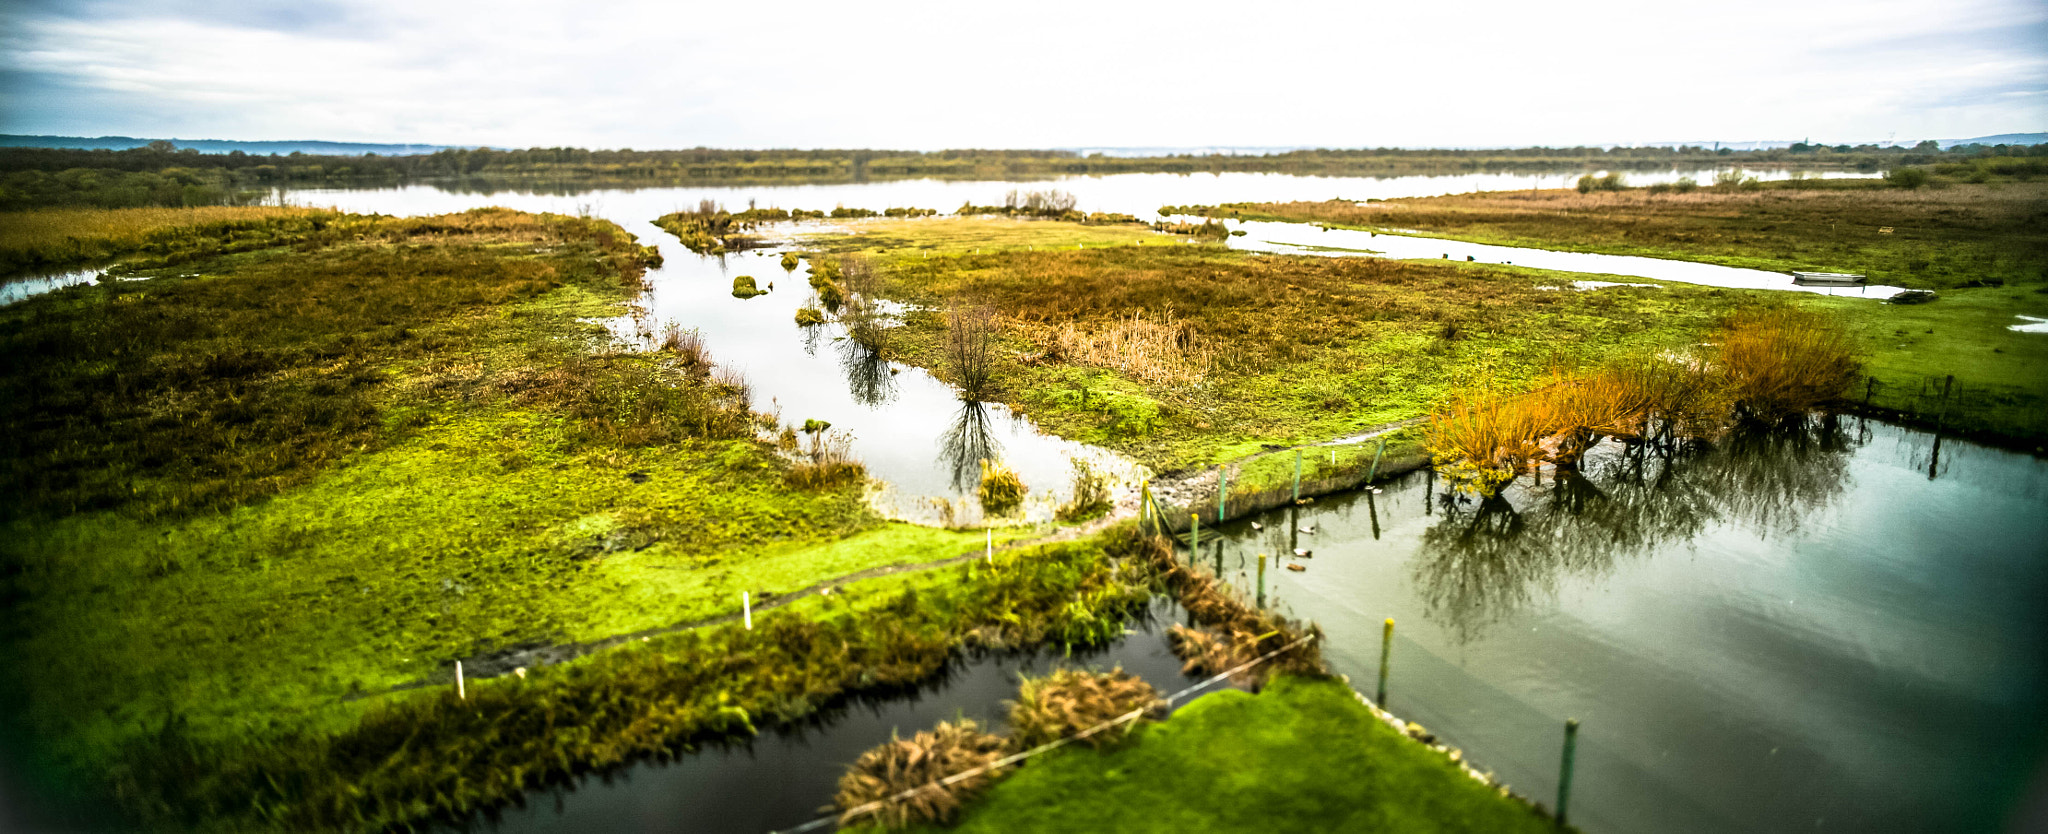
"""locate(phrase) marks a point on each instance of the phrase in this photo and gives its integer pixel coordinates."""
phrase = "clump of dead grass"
(1149, 346)
(883, 772)
(1069, 701)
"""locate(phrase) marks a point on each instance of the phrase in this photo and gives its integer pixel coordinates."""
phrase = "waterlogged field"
(1982, 246)
(1184, 355)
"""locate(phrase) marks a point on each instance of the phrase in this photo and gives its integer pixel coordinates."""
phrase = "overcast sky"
(511, 73)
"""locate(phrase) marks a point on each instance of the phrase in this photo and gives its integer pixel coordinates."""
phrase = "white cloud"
(930, 75)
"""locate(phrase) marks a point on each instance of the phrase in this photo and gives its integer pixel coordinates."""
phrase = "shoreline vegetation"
(163, 175)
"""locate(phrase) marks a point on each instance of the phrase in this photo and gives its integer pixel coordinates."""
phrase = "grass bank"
(1302, 755)
(1189, 355)
(1983, 246)
(254, 491)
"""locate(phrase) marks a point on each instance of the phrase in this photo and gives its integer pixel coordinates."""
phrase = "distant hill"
(307, 146)
(2001, 139)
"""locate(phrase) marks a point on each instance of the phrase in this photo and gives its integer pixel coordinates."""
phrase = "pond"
(1836, 628)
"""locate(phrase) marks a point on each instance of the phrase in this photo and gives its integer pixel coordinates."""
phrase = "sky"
(915, 75)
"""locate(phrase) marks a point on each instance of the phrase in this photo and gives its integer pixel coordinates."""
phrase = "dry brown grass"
(1069, 701)
(901, 764)
(1154, 347)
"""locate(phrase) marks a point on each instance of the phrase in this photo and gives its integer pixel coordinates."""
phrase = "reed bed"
(901, 764)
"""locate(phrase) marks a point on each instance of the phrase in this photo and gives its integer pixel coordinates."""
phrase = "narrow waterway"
(1836, 629)
(787, 775)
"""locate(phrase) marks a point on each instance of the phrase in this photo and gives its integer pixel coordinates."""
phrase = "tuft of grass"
(901, 764)
(1091, 494)
(1001, 491)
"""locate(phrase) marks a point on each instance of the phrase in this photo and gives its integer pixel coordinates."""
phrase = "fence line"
(1047, 747)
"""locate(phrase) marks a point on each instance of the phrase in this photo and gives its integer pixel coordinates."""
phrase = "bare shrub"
(1069, 701)
(1091, 494)
(862, 312)
(916, 762)
(828, 461)
(971, 331)
(1483, 436)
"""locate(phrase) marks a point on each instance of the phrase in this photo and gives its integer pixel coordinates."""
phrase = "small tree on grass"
(971, 331)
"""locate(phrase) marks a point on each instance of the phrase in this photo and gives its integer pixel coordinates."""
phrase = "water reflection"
(970, 441)
(868, 376)
(1485, 561)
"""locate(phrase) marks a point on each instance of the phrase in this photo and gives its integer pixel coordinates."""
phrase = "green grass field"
(1303, 755)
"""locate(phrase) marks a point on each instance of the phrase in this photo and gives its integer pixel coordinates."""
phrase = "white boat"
(1838, 279)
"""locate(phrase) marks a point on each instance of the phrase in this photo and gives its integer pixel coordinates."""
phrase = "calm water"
(1830, 631)
(781, 778)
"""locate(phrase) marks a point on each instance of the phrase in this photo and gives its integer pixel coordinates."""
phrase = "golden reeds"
(1770, 363)
(1782, 361)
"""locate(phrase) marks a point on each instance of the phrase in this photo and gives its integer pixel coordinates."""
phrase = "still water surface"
(1835, 630)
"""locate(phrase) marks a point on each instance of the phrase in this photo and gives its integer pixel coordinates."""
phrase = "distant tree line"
(161, 174)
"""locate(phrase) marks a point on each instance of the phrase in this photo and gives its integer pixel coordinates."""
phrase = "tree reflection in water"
(970, 441)
(867, 373)
(1484, 562)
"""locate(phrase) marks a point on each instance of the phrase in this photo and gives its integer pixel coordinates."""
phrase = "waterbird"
(1258, 526)
(1303, 554)
(1309, 529)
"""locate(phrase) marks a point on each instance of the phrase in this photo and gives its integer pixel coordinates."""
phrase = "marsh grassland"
(1186, 355)
(1983, 246)
(257, 490)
